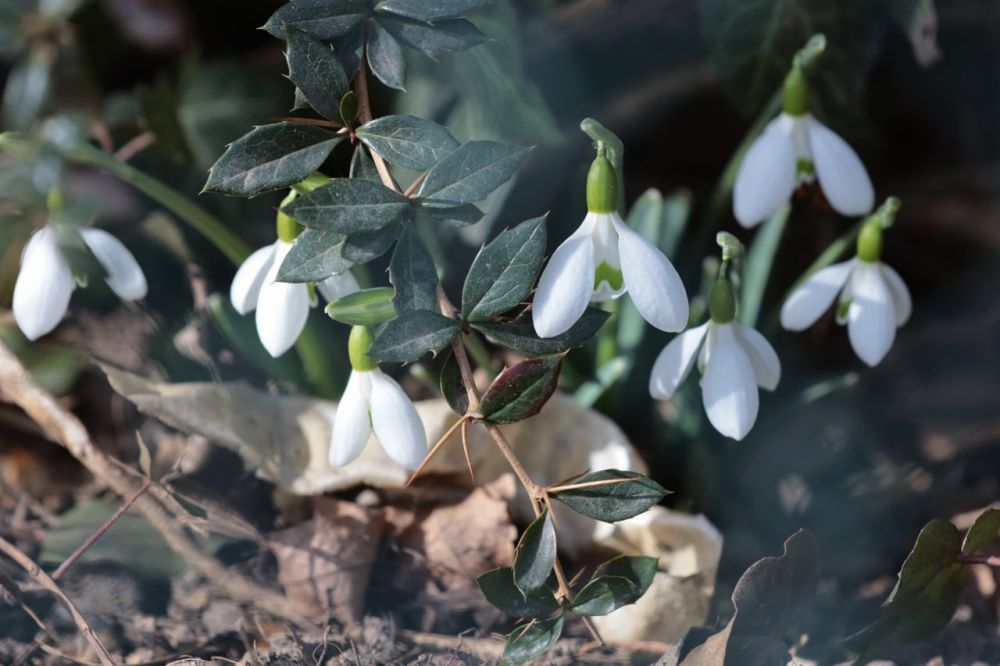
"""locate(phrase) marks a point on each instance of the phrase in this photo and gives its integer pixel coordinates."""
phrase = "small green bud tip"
(722, 302)
(312, 181)
(54, 200)
(795, 94)
(870, 240)
(358, 345)
(887, 212)
(287, 228)
(602, 185)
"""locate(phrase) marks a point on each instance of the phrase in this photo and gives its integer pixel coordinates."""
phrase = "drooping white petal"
(605, 252)
(651, 280)
(44, 285)
(901, 301)
(841, 175)
(282, 308)
(813, 297)
(352, 426)
(565, 287)
(339, 285)
(728, 387)
(124, 275)
(675, 362)
(245, 289)
(763, 358)
(766, 178)
(396, 422)
(871, 318)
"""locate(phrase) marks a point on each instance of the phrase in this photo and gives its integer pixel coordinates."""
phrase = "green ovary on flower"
(722, 302)
(605, 272)
(870, 241)
(602, 186)
(358, 345)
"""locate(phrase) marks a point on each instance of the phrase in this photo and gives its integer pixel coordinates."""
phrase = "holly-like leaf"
(349, 205)
(410, 142)
(365, 246)
(499, 589)
(604, 594)
(503, 272)
(536, 554)
(637, 569)
(367, 307)
(316, 72)
(429, 10)
(452, 387)
(985, 530)
(322, 19)
(413, 334)
(520, 334)
(612, 502)
(526, 643)
(521, 390)
(270, 157)
(463, 215)
(385, 57)
(315, 256)
(413, 274)
(925, 597)
(472, 172)
(435, 39)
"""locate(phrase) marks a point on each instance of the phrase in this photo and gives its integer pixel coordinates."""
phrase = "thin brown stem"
(135, 146)
(43, 579)
(465, 448)
(587, 484)
(415, 184)
(989, 560)
(82, 548)
(365, 116)
(434, 449)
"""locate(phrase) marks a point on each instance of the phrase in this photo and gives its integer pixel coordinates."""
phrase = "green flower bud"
(722, 302)
(287, 228)
(358, 345)
(795, 93)
(602, 185)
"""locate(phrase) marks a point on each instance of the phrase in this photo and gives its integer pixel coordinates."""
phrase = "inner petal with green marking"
(605, 272)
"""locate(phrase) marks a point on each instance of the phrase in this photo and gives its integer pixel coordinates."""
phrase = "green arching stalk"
(830, 254)
(316, 363)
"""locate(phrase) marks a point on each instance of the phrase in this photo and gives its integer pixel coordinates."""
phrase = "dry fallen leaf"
(325, 563)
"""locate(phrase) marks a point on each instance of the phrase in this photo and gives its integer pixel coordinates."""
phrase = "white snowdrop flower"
(374, 402)
(603, 259)
(282, 307)
(45, 281)
(796, 148)
(874, 300)
(734, 359)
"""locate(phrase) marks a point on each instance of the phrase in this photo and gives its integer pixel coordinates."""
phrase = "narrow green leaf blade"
(385, 57)
(498, 587)
(413, 334)
(270, 157)
(613, 501)
(472, 172)
(315, 70)
(410, 142)
(368, 307)
(349, 205)
(536, 554)
(412, 274)
(521, 390)
(524, 644)
(520, 334)
(503, 272)
(758, 264)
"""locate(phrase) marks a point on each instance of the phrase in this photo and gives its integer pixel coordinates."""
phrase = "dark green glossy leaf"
(984, 531)
(385, 57)
(535, 555)
(349, 48)
(323, 19)
(365, 246)
(637, 569)
(499, 589)
(614, 501)
(348, 109)
(413, 274)
(315, 256)
(429, 10)
(526, 643)
(520, 334)
(367, 307)
(472, 172)
(349, 205)
(452, 387)
(604, 594)
(434, 40)
(925, 597)
(270, 157)
(413, 334)
(408, 141)
(521, 391)
(316, 72)
(362, 165)
(502, 274)
(463, 215)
